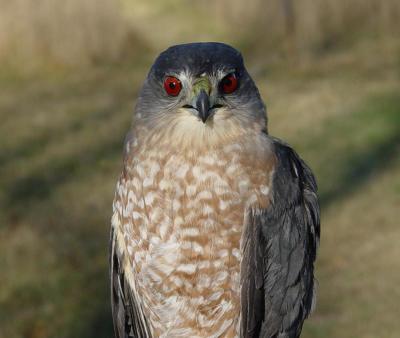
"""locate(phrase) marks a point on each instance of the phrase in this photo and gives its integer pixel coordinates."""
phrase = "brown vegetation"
(86, 32)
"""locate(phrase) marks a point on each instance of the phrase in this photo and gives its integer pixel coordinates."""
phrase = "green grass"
(353, 149)
(356, 159)
(60, 154)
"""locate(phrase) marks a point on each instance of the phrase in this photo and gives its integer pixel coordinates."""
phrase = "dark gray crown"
(200, 57)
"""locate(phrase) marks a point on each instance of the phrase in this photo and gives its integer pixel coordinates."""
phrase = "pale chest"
(182, 220)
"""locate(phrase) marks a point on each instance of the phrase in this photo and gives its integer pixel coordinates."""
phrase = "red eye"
(172, 86)
(229, 83)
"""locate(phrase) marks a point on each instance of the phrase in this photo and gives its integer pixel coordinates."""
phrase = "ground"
(60, 153)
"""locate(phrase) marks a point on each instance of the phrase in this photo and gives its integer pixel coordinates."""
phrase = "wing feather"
(128, 320)
(278, 265)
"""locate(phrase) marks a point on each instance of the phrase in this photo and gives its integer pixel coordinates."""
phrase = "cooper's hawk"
(216, 223)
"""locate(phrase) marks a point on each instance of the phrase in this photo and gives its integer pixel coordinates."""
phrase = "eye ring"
(229, 83)
(172, 86)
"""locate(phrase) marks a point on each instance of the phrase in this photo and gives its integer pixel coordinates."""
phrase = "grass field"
(60, 153)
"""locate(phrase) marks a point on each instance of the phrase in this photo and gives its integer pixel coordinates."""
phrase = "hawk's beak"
(203, 105)
(201, 97)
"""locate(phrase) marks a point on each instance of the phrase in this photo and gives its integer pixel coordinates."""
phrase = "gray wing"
(279, 252)
(128, 321)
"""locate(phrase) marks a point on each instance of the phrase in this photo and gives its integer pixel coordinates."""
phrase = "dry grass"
(62, 32)
(76, 32)
(304, 28)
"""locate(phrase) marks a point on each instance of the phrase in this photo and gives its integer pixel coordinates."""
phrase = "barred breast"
(179, 220)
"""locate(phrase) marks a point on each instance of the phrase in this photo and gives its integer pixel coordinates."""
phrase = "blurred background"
(329, 71)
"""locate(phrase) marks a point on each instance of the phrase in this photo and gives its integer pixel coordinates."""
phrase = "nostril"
(216, 106)
(188, 106)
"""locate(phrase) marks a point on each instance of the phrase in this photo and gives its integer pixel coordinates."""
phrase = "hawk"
(215, 223)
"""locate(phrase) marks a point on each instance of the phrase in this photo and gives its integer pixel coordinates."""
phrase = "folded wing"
(280, 244)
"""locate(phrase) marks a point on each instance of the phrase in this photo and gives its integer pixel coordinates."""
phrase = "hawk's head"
(200, 89)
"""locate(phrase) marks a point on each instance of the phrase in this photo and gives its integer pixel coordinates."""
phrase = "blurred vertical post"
(290, 29)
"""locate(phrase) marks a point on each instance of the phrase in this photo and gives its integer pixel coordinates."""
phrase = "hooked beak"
(203, 105)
